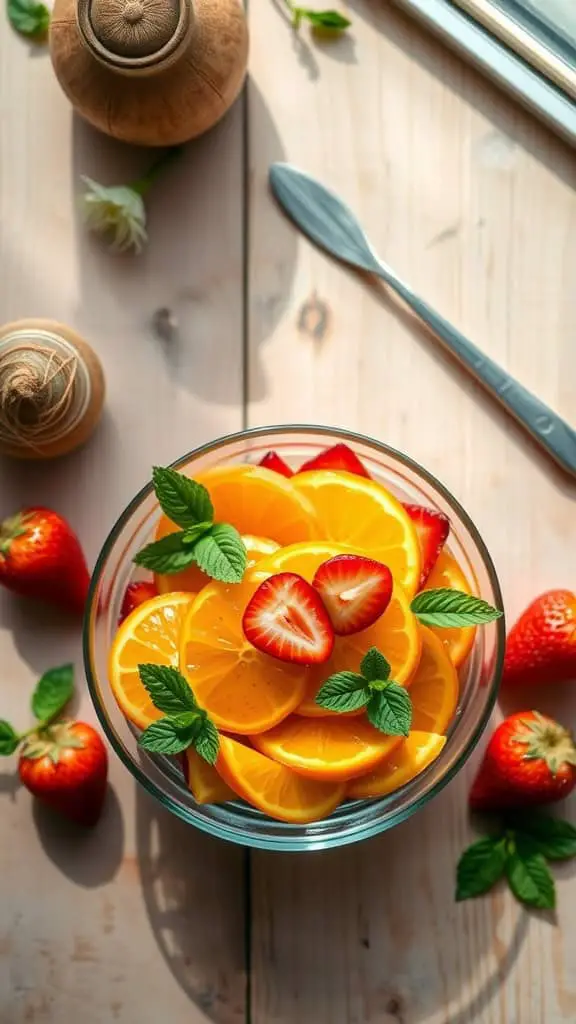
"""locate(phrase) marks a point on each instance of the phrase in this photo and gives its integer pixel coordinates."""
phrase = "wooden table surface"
(471, 200)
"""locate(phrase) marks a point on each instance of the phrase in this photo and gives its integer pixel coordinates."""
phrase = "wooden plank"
(144, 917)
(472, 202)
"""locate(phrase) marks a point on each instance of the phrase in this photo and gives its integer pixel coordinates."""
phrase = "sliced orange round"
(407, 761)
(193, 579)
(434, 688)
(257, 501)
(243, 690)
(150, 634)
(458, 640)
(273, 788)
(366, 518)
(204, 782)
(329, 749)
(396, 633)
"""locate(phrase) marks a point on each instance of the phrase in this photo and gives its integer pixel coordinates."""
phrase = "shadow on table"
(339, 46)
(193, 888)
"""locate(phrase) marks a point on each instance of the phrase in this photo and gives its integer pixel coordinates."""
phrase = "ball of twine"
(37, 395)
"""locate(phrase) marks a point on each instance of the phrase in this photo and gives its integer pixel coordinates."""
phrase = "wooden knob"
(134, 35)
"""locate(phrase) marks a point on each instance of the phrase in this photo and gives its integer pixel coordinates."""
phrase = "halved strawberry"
(339, 456)
(286, 619)
(135, 595)
(276, 463)
(432, 528)
(355, 591)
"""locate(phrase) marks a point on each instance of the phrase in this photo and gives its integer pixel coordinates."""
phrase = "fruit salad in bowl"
(294, 637)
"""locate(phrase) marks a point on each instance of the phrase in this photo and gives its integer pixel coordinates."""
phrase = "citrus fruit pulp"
(408, 760)
(193, 579)
(396, 633)
(459, 640)
(274, 789)
(203, 780)
(258, 502)
(434, 688)
(150, 634)
(328, 749)
(364, 516)
(243, 690)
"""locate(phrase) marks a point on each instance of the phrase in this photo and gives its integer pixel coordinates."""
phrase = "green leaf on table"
(344, 691)
(448, 608)
(480, 867)
(331, 20)
(169, 735)
(529, 876)
(167, 689)
(221, 554)
(166, 556)
(554, 838)
(53, 691)
(390, 710)
(9, 739)
(374, 665)
(207, 742)
(28, 17)
(184, 501)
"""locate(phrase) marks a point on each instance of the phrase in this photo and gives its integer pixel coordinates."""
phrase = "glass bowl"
(353, 820)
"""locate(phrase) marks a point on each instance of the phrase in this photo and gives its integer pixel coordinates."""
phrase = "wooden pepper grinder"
(51, 389)
(150, 72)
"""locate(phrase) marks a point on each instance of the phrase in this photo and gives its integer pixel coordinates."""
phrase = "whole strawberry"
(63, 763)
(530, 760)
(541, 646)
(41, 557)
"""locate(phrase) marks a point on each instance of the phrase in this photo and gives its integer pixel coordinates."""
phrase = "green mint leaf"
(166, 556)
(221, 554)
(9, 739)
(207, 741)
(480, 867)
(167, 688)
(345, 691)
(554, 838)
(53, 691)
(193, 533)
(529, 876)
(28, 17)
(446, 607)
(374, 665)
(168, 736)
(331, 20)
(184, 501)
(390, 710)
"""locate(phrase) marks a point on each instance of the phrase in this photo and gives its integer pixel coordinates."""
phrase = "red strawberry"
(541, 647)
(66, 766)
(41, 557)
(274, 462)
(355, 591)
(432, 528)
(530, 760)
(339, 456)
(286, 619)
(135, 595)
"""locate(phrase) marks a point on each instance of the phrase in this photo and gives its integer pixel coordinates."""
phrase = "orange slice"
(274, 789)
(434, 688)
(149, 634)
(243, 690)
(204, 782)
(193, 579)
(257, 501)
(329, 749)
(407, 761)
(396, 633)
(366, 518)
(458, 640)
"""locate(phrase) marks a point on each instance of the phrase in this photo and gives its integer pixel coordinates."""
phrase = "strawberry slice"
(340, 456)
(355, 591)
(432, 528)
(135, 595)
(276, 463)
(286, 619)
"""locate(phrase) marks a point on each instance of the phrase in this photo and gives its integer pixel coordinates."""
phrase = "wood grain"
(143, 918)
(472, 202)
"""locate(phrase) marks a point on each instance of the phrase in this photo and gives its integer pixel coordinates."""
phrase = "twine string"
(37, 395)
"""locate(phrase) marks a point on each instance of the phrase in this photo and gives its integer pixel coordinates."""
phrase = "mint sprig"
(388, 705)
(448, 608)
(217, 548)
(29, 18)
(51, 695)
(330, 20)
(185, 723)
